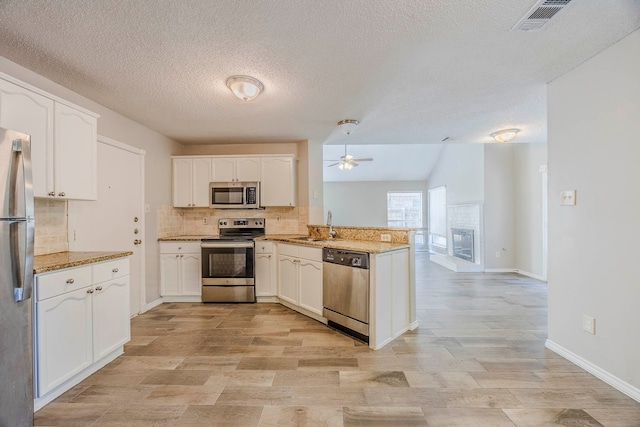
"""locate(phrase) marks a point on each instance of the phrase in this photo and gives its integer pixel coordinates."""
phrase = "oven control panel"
(241, 223)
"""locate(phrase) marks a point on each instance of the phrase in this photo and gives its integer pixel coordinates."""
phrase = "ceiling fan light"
(341, 166)
(244, 87)
(348, 125)
(505, 135)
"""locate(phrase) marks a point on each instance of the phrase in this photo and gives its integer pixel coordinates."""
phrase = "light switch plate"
(568, 198)
(589, 324)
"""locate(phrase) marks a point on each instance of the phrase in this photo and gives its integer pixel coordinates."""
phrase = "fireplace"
(463, 243)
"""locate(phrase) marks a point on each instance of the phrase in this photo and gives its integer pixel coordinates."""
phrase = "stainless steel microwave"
(234, 195)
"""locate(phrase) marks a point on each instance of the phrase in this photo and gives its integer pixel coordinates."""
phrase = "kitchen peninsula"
(289, 270)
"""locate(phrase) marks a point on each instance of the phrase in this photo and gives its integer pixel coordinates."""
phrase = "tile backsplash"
(189, 221)
(51, 226)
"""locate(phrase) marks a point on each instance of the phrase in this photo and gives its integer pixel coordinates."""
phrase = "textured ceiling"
(412, 71)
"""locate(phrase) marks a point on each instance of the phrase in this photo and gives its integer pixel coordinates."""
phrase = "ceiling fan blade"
(367, 159)
(333, 164)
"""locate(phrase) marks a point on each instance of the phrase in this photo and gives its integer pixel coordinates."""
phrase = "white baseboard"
(414, 325)
(455, 264)
(532, 275)
(182, 298)
(153, 304)
(500, 270)
(268, 299)
(612, 380)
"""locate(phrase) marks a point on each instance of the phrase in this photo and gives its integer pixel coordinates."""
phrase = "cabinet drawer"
(181, 247)
(289, 250)
(263, 247)
(314, 254)
(110, 270)
(58, 283)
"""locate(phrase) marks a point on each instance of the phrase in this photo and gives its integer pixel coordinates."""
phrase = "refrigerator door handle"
(21, 250)
(21, 258)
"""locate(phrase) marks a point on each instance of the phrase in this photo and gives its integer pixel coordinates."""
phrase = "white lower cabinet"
(180, 269)
(300, 276)
(81, 317)
(265, 269)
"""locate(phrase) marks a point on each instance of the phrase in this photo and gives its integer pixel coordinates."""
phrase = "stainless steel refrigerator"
(16, 279)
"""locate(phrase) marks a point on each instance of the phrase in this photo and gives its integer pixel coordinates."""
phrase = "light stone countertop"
(60, 260)
(350, 245)
(193, 238)
(353, 245)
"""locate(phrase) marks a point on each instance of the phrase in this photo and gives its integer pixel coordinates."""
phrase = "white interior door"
(111, 222)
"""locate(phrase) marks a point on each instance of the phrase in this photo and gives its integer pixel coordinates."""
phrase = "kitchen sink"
(309, 239)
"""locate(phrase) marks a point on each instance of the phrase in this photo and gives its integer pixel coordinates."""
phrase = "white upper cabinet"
(229, 169)
(191, 177)
(278, 181)
(28, 112)
(75, 154)
(63, 142)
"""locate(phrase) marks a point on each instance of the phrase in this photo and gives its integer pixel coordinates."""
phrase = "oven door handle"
(208, 245)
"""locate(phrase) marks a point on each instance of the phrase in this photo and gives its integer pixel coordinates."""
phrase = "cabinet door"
(64, 338)
(265, 285)
(28, 112)
(310, 285)
(75, 136)
(248, 169)
(200, 182)
(288, 280)
(223, 169)
(278, 184)
(169, 274)
(182, 189)
(110, 316)
(190, 279)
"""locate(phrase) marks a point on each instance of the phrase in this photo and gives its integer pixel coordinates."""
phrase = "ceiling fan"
(347, 161)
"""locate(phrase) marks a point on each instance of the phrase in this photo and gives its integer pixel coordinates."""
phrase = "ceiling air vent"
(541, 14)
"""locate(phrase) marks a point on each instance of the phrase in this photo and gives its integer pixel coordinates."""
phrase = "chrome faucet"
(332, 232)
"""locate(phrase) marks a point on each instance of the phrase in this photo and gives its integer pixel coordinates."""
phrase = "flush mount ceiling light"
(245, 87)
(347, 126)
(505, 135)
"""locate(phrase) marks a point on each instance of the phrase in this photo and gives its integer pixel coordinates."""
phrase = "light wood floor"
(477, 359)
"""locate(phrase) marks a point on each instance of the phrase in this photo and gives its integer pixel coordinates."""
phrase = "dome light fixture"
(244, 87)
(505, 135)
(347, 126)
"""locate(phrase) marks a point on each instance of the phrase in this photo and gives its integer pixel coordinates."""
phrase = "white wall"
(528, 206)
(594, 148)
(113, 125)
(460, 168)
(365, 203)
(499, 207)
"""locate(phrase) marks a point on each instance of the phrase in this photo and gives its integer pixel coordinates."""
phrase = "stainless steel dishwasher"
(345, 291)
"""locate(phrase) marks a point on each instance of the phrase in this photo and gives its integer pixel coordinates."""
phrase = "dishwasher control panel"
(348, 258)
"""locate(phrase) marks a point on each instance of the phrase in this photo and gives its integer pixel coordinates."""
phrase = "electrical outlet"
(205, 220)
(385, 237)
(589, 324)
(568, 198)
(498, 254)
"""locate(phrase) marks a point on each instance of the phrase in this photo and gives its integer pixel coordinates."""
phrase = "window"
(404, 209)
(438, 217)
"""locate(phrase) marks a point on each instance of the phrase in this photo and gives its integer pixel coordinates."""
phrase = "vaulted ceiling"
(412, 71)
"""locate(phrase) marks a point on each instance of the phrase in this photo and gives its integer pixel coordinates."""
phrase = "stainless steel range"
(228, 261)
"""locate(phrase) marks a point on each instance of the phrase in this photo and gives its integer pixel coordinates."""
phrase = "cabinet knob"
(115, 270)
(70, 281)
(137, 242)
(99, 288)
(135, 219)
(52, 194)
(136, 231)
(89, 291)
(177, 256)
(181, 256)
(61, 194)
